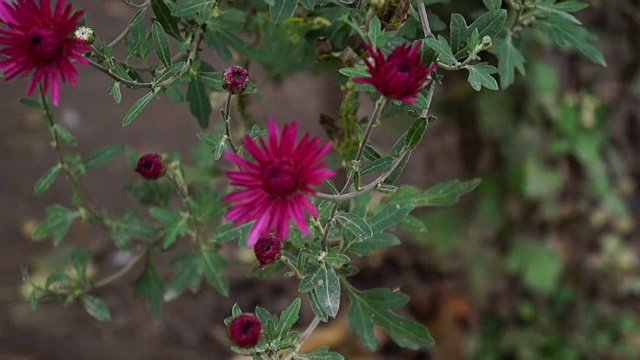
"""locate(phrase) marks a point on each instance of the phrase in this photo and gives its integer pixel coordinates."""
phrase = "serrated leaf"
(114, 90)
(161, 43)
(57, 224)
(45, 182)
(565, 33)
(322, 353)
(509, 59)
(389, 214)
(175, 225)
(480, 75)
(188, 274)
(328, 291)
(137, 108)
(96, 308)
(288, 318)
(163, 16)
(190, 8)
(446, 193)
(103, 156)
(282, 10)
(228, 231)
(374, 307)
(415, 133)
(548, 7)
(441, 46)
(199, 102)
(354, 224)
(150, 287)
(213, 267)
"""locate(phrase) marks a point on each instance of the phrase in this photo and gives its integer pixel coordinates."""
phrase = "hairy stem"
(227, 122)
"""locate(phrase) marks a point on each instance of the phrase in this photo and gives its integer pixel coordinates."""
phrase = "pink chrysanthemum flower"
(40, 42)
(401, 75)
(245, 330)
(276, 185)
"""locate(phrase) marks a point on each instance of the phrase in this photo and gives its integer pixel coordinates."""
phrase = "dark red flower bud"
(244, 330)
(235, 79)
(267, 250)
(150, 166)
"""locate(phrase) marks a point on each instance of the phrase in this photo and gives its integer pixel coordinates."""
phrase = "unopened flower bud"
(267, 250)
(150, 166)
(235, 79)
(486, 42)
(85, 34)
(244, 330)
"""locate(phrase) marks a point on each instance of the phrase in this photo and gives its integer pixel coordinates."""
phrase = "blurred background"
(540, 262)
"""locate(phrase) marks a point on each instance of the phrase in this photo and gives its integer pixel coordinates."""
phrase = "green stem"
(227, 122)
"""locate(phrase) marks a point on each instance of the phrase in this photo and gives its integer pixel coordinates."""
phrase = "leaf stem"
(305, 335)
(227, 122)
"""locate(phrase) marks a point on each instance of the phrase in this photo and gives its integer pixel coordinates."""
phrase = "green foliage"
(57, 224)
(149, 286)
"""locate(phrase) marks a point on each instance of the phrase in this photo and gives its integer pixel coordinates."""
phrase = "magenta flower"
(276, 185)
(40, 43)
(401, 75)
(244, 330)
(150, 166)
(235, 79)
(267, 249)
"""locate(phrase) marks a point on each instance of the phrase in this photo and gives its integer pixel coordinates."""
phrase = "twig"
(305, 335)
(424, 19)
(227, 122)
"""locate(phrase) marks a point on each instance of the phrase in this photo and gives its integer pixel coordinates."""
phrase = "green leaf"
(80, 258)
(328, 290)
(446, 193)
(163, 16)
(376, 242)
(374, 307)
(354, 224)
(114, 90)
(377, 165)
(215, 145)
(357, 71)
(150, 287)
(566, 33)
(415, 133)
(213, 80)
(103, 156)
(161, 43)
(282, 10)
(375, 29)
(539, 265)
(442, 48)
(175, 225)
(45, 182)
(65, 135)
(549, 8)
(395, 174)
(228, 231)
(190, 8)
(95, 307)
(489, 24)
(457, 33)
(322, 353)
(57, 224)
(315, 306)
(308, 4)
(31, 103)
(509, 59)
(480, 75)
(168, 73)
(288, 318)
(389, 214)
(128, 227)
(492, 4)
(137, 108)
(199, 102)
(213, 267)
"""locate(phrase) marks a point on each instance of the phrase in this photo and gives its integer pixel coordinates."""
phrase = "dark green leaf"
(228, 231)
(288, 318)
(354, 224)
(215, 145)
(371, 154)
(103, 156)
(415, 133)
(328, 291)
(458, 34)
(489, 24)
(480, 75)
(79, 260)
(137, 108)
(45, 182)
(358, 71)
(442, 48)
(509, 59)
(282, 10)
(378, 165)
(395, 174)
(374, 307)
(175, 225)
(57, 224)
(161, 43)
(446, 193)
(199, 102)
(389, 214)
(376, 242)
(566, 33)
(492, 4)
(213, 80)
(96, 308)
(163, 16)
(308, 4)
(128, 227)
(190, 8)
(188, 274)
(167, 74)
(31, 103)
(150, 287)
(315, 306)
(213, 267)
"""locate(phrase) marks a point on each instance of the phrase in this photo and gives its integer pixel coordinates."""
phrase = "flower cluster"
(276, 185)
(39, 41)
(401, 75)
